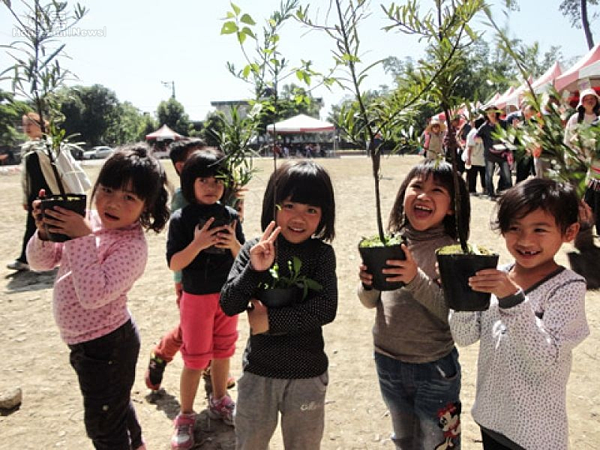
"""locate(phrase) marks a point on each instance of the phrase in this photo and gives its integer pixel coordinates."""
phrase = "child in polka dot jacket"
(285, 365)
(106, 254)
(536, 318)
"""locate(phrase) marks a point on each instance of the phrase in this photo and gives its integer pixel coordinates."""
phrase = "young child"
(536, 318)
(98, 266)
(164, 352)
(417, 363)
(285, 366)
(204, 254)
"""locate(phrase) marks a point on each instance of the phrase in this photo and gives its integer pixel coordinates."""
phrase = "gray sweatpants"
(300, 402)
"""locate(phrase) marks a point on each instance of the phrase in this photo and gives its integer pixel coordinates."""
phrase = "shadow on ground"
(209, 434)
(28, 280)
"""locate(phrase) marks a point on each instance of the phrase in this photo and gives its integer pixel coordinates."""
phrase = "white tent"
(300, 124)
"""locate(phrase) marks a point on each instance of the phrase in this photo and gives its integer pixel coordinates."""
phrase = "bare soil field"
(51, 415)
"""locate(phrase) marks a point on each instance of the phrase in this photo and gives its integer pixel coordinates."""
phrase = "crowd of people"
(536, 317)
(482, 154)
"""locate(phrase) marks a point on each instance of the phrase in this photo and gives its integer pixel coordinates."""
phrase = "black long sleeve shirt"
(207, 273)
(293, 348)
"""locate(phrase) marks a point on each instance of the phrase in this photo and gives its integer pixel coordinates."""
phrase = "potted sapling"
(36, 74)
(286, 290)
(287, 285)
(448, 33)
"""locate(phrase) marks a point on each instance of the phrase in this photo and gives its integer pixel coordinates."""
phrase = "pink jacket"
(95, 274)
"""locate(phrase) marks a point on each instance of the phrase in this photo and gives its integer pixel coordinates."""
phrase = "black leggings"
(489, 443)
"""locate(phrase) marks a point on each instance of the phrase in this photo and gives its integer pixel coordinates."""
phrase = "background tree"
(11, 111)
(91, 112)
(172, 113)
(579, 14)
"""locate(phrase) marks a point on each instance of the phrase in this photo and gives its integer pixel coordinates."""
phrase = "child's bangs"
(308, 190)
(133, 178)
(441, 173)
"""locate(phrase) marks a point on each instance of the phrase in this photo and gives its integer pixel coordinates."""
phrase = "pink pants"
(207, 332)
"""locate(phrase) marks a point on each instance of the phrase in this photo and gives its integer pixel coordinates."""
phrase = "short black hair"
(179, 150)
(302, 182)
(442, 174)
(557, 199)
(133, 166)
(201, 164)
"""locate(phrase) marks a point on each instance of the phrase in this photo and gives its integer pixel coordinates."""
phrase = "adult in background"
(523, 117)
(37, 173)
(588, 112)
(494, 151)
(474, 160)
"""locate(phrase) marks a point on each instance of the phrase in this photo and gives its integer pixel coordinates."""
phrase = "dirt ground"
(36, 360)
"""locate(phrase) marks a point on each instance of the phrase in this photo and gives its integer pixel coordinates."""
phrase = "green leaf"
(236, 9)
(247, 19)
(229, 28)
(247, 31)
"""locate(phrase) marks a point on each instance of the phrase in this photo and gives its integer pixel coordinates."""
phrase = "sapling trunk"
(451, 148)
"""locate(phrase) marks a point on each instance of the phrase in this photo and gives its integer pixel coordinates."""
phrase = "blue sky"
(139, 44)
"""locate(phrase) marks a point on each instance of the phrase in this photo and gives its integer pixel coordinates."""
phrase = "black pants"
(525, 168)
(592, 198)
(35, 182)
(472, 178)
(106, 371)
(489, 443)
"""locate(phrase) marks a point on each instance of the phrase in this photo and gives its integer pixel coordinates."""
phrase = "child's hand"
(226, 238)
(205, 237)
(493, 281)
(258, 317)
(38, 216)
(262, 255)
(63, 221)
(365, 277)
(401, 270)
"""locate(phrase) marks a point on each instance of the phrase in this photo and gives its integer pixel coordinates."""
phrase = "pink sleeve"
(100, 280)
(427, 139)
(43, 255)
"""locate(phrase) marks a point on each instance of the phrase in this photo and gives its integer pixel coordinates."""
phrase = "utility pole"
(170, 84)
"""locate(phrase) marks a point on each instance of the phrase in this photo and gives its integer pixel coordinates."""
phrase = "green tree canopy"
(172, 113)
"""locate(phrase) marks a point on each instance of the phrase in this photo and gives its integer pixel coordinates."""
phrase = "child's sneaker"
(154, 373)
(183, 435)
(221, 409)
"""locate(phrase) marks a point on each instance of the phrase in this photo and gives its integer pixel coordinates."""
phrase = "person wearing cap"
(494, 152)
(588, 112)
(434, 137)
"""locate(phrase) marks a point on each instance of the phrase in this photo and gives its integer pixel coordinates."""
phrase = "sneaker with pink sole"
(183, 435)
(222, 408)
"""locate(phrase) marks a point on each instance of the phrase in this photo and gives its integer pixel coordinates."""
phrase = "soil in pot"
(455, 270)
(375, 259)
(72, 202)
(279, 297)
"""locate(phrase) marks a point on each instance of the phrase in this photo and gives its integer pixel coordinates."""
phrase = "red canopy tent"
(164, 133)
(547, 79)
(585, 68)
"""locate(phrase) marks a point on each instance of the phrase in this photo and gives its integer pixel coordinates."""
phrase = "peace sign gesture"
(262, 255)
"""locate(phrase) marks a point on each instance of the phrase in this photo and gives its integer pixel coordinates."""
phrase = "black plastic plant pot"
(375, 259)
(279, 297)
(222, 218)
(72, 202)
(455, 271)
